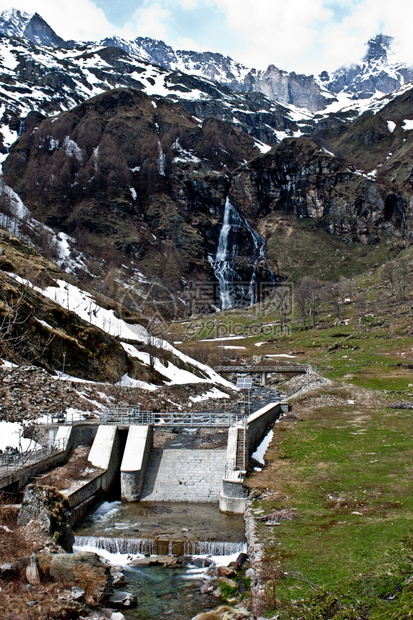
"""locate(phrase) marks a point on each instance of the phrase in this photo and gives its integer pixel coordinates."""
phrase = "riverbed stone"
(32, 571)
(225, 571)
(122, 600)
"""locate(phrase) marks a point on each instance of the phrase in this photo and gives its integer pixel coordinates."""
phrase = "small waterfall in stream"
(146, 546)
(236, 289)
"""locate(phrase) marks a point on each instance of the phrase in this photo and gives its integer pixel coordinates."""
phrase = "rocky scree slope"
(49, 324)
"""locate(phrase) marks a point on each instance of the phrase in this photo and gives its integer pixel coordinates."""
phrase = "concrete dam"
(125, 446)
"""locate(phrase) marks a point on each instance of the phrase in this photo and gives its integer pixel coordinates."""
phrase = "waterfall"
(161, 160)
(148, 546)
(213, 548)
(233, 289)
(132, 546)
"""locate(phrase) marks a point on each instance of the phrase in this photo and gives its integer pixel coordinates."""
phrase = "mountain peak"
(378, 47)
(13, 22)
(38, 31)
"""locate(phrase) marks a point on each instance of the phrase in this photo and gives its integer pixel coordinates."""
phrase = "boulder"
(82, 570)
(32, 571)
(122, 600)
(225, 571)
(50, 510)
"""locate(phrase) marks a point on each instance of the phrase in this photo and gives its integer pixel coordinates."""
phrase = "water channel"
(121, 532)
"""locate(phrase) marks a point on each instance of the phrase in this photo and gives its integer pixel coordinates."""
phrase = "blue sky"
(302, 35)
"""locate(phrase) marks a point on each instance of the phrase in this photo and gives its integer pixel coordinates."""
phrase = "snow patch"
(407, 125)
(214, 393)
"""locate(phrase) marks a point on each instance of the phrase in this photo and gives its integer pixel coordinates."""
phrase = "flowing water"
(235, 232)
(121, 532)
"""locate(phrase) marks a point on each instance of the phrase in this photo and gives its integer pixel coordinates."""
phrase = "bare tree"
(153, 340)
(398, 274)
(18, 343)
(308, 295)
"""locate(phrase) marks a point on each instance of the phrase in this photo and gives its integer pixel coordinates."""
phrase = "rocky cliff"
(301, 179)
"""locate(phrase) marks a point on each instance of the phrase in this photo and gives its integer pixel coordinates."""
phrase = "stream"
(121, 532)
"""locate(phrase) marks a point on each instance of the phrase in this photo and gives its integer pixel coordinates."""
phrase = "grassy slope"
(302, 247)
(346, 466)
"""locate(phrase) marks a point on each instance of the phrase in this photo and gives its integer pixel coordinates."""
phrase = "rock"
(206, 588)
(32, 571)
(83, 570)
(225, 613)
(118, 579)
(199, 562)
(241, 559)
(50, 509)
(164, 560)
(225, 571)
(228, 581)
(77, 593)
(145, 561)
(122, 600)
(117, 615)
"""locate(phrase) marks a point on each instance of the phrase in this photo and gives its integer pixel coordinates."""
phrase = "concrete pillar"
(135, 458)
(263, 379)
(105, 453)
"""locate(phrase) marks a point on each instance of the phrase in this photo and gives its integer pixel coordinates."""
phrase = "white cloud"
(306, 36)
(77, 19)
(151, 20)
(275, 31)
(343, 42)
(186, 43)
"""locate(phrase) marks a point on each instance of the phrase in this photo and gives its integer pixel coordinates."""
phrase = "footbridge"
(264, 370)
(124, 449)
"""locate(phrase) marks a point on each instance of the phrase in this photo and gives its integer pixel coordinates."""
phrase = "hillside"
(96, 352)
(333, 502)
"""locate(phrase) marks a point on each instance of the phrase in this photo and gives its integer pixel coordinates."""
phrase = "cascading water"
(235, 290)
(164, 529)
(144, 546)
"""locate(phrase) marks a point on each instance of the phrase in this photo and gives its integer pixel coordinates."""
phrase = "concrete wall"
(260, 422)
(182, 475)
(134, 462)
(84, 495)
(233, 496)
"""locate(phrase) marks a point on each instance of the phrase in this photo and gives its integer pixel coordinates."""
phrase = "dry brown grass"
(46, 602)
(76, 468)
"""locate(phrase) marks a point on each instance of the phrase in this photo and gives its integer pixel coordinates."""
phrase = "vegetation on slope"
(341, 463)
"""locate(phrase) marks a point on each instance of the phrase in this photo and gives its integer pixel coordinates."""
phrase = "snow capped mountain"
(380, 73)
(54, 79)
(284, 87)
(13, 22)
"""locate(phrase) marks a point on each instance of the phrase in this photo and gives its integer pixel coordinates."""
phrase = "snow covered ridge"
(84, 305)
(380, 71)
(20, 222)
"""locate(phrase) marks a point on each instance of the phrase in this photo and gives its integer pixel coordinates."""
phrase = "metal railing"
(135, 415)
(173, 418)
(12, 462)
